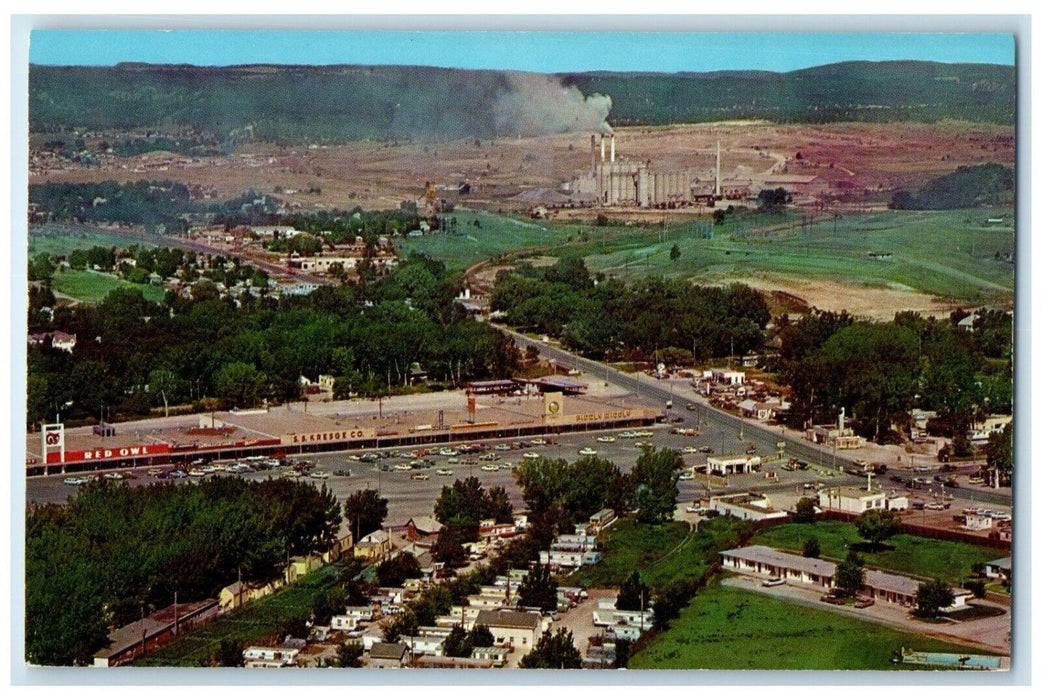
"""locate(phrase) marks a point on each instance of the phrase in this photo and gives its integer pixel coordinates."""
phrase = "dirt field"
(381, 174)
(878, 303)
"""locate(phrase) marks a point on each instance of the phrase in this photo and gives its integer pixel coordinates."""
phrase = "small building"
(978, 522)
(423, 529)
(388, 655)
(269, 657)
(746, 506)
(237, 594)
(141, 636)
(847, 499)
(732, 464)
(602, 519)
(377, 545)
(63, 341)
(999, 568)
(606, 615)
(725, 376)
(515, 630)
(497, 656)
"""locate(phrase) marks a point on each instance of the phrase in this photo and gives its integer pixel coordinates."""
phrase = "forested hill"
(853, 91)
(359, 102)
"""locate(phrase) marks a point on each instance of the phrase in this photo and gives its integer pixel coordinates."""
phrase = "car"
(687, 476)
(447, 452)
(420, 477)
(112, 476)
(864, 602)
(490, 457)
(697, 510)
(606, 438)
(505, 465)
(940, 478)
(75, 480)
(587, 452)
(706, 449)
(178, 474)
(154, 471)
(196, 472)
(531, 455)
(208, 469)
(627, 435)
(922, 469)
(922, 480)
(772, 582)
(502, 447)
(490, 467)
(341, 472)
(319, 474)
(537, 441)
(691, 407)
(934, 506)
(452, 460)
(444, 472)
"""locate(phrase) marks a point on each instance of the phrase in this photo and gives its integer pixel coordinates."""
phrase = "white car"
(443, 472)
(75, 480)
(537, 441)
(771, 582)
(196, 472)
(490, 467)
(112, 476)
(690, 450)
(531, 455)
(687, 476)
(606, 438)
(319, 474)
(403, 467)
(420, 477)
(587, 452)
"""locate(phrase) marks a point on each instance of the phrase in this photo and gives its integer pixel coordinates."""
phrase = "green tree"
(655, 477)
(877, 526)
(805, 510)
(999, 452)
(481, 636)
(240, 383)
(633, 594)
(812, 547)
(674, 252)
(228, 653)
(458, 643)
(671, 600)
(554, 650)
(448, 548)
(348, 655)
(364, 511)
(393, 572)
(401, 625)
(931, 597)
(850, 574)
(538, 589)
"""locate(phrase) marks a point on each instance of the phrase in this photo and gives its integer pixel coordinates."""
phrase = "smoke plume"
(535, 105)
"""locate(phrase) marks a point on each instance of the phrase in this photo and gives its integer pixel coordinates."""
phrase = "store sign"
(329, 436)
(130, 452)
(603, 416)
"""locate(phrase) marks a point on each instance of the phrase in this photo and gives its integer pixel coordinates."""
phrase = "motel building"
(767, 562)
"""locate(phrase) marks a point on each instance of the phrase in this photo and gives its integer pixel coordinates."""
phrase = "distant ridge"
(350, 102)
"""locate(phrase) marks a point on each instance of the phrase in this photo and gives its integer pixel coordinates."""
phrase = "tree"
(633, 594)
(672, 599)
(1000, 452)
(393, 572)
(481, 636)
(364, 512)
(805, 510)
(931, 597)
(655, 477)
(458, 643)
(348, 655)
(448, 548)
(850, 574)
(538, 589)
(812, 548)
(401, 625)
(674, 252)
(877, 526)
(554, 650)
(239, 383)
(227, 654)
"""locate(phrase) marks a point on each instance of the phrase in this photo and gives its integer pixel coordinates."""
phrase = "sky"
(538, 51)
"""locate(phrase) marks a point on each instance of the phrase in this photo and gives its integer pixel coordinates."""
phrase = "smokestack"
(602, 148)
(593, 154)
(613, 148)
(718, 168)
(842, 416)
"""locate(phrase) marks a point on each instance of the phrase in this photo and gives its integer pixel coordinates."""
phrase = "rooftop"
(507, 618)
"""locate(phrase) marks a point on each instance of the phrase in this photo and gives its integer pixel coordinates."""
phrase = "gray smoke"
(539, 104)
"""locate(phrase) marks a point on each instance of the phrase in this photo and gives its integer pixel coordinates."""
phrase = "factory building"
(612, 181)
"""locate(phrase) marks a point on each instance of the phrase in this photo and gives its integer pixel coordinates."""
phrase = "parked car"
(587, 452)
(75, 480)
(420, 477)
(606, 438)
(444, 472)
(341, 472)
(772, 582)
(319, 474)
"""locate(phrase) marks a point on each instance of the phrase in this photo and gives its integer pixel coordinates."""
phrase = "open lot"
(918, 556)
(91, 286)
(725, 628)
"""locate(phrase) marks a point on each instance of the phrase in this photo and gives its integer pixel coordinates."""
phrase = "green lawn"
(947, 254)
(725, 628)
(90, 286)
(251, 624)
(918, 556)
(62, 239)
(661, 553)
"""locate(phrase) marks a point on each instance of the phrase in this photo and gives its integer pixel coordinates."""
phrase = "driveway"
(579, 620)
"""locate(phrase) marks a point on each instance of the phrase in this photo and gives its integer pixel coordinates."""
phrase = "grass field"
(90, 286)
(661, 553)
(253, 623)
(918, 556)
(62, 239)
(725, 628)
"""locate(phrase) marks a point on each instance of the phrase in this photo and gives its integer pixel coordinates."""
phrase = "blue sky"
(540, 51)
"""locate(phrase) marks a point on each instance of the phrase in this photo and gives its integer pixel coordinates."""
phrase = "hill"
(341, 103)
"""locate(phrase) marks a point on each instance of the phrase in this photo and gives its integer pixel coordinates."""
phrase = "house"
(847, 499)
(270, 657)
(354, 616)
(968, 323)
(59, 340)
(724, 376)
(732, 464)
(999, 568)
(766, 562)
(388, 655)
(978, 521)
(378, 545)
(602, 519)
(423, 529)
(606, 615)
(237, 594)
(496, 655)
(516, 630)
(746, 506)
